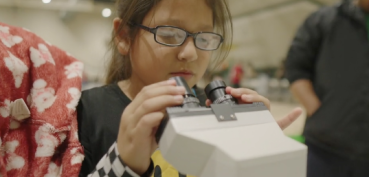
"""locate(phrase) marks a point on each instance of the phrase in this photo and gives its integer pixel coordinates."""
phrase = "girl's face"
(153, 62)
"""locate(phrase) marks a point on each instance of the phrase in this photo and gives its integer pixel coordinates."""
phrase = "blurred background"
(263, 31)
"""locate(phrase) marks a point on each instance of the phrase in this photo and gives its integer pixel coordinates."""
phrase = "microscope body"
(230, 140)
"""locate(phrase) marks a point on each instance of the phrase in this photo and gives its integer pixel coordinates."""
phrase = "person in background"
(328, 68)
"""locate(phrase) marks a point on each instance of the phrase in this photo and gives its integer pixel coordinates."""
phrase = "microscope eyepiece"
(215, 91)
(190, 100)
(182, 82)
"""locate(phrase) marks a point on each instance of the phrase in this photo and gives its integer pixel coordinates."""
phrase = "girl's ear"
(122, 39)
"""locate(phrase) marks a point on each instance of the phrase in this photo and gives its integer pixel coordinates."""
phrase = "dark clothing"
(326, 164)
(99, 113)
(332, 50)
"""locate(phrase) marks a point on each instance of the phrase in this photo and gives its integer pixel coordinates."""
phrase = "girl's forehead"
(182, 13)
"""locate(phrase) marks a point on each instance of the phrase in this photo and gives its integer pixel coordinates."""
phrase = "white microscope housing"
(228, 140)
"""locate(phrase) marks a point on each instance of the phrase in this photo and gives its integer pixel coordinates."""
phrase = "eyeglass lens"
(176, 36)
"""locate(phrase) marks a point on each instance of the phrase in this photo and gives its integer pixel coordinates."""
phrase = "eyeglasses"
(173, 36)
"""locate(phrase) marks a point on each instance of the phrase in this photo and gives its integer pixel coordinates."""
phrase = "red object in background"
(237, 73)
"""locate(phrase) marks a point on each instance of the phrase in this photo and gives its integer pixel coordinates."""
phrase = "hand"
(248, 96)
(139, 121)
(290, 118)
(245, 96)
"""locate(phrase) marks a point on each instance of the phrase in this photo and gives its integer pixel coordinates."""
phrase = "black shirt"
(331, 49)
(99, 113)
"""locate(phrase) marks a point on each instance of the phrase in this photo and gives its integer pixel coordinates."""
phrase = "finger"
(251, 98)
(155, 104)
(239, 91)
(151, 87)
(156, 90)
(290, 118)
(208, 102)
(147, 123)
(229, 89)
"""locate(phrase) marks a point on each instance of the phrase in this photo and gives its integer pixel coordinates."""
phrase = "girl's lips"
(186, 75)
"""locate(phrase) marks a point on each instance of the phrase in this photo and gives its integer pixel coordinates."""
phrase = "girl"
(153, 40)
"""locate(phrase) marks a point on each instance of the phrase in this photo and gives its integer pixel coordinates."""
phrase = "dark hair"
(134, 11)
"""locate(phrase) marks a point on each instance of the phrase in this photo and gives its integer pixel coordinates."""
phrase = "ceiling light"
(106, 12)
(46, 1)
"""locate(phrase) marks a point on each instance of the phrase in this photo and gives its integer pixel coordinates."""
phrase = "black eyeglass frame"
(194, 35)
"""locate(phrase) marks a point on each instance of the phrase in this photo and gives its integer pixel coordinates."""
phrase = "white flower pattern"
(77, 157)
(7, 39)
(74, 70)
(17, 67)
(42, 97)
(5, 110)
(75, 94)
(46, 142)
(54, 170)
(41, 55)
(14, 161)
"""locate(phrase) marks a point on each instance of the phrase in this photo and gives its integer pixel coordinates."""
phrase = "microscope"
(227, 139)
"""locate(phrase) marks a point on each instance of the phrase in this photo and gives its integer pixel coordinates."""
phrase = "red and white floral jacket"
(40, 86)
